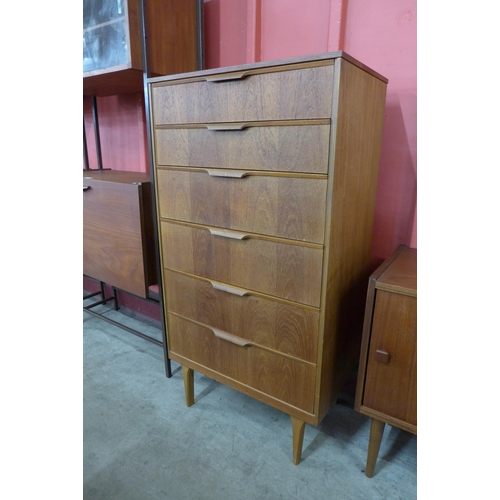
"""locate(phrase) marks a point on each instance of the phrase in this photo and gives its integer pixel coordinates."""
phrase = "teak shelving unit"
(125, 43)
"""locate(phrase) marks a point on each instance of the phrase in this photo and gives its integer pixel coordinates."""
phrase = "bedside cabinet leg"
(188, 374)
(376, 431)
(298, 427)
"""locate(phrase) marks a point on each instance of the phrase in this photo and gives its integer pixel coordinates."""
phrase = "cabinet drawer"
(391, 381)
(290, 381)
(287, 207)
(272, 324)
(287, 148)
(288, 271)
(281, 95)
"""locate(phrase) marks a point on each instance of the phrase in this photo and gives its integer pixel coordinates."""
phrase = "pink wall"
(383, 34)
(122, 129)
(380, 33)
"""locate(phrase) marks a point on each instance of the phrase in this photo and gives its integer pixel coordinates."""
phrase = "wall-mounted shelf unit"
(113, 62)
(124, 43)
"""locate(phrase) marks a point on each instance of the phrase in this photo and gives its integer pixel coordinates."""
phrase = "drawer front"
(286, 207)
(285, 148)
(279, 269)
(391, 381)
(281, 327)
(282, 95)
(290, 381)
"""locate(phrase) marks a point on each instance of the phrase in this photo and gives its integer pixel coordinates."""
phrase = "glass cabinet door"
(105, 34)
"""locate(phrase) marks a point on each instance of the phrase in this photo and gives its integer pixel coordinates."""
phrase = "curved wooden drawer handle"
(226, 77)
(230, 338)
(224, 172)
(235, 235)
(227, 127)
(229, 289)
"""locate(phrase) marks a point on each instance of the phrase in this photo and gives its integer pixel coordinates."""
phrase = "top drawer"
(304, 93)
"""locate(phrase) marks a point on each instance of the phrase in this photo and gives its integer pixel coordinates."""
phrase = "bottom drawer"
(280, 377)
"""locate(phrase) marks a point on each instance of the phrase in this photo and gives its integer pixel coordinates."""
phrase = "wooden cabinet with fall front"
(118, 230)
(265, 180)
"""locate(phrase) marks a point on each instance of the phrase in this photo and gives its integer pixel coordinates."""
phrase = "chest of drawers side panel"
(357, 122)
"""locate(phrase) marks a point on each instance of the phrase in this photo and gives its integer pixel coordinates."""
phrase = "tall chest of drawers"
(265, 179)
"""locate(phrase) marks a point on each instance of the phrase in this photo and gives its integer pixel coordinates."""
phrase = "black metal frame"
(114, 298)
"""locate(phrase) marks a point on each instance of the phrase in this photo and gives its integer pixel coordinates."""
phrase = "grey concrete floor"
(141, 441)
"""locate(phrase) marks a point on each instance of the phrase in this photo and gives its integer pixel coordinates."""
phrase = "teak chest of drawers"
(387, 379)
(265, 180)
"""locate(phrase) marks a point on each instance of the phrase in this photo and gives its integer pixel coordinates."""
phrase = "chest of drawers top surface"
(218, 74)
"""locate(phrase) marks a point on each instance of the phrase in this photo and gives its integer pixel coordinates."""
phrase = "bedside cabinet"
(266, 178)
(387, 381)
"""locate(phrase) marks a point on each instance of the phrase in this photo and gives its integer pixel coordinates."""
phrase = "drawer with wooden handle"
(251, 95)
(285, 146)
(287, 207)
(279, 268)
(272, 374)
(269, 323)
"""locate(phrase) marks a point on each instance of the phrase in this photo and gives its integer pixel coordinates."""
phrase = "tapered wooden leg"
(188, 374)
(376, 431)
(298, 427)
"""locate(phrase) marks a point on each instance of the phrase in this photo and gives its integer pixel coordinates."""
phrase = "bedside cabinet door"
(391, 377)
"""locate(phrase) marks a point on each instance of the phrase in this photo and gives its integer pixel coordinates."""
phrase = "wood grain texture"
(367, 322)
(376, 433)
(302, 148)
(280, 377)
(116, 217)
(171, 36)
(269, 323)
(391, 388)
(283, 95)
(401, 276)
(387, 392)
(285, 270)
(298, 427)
(358, 110)
(277, 206)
